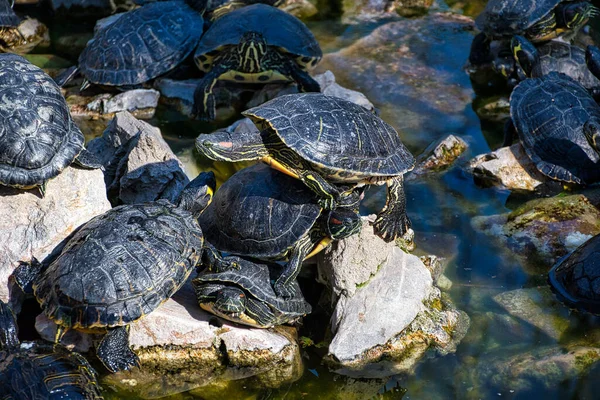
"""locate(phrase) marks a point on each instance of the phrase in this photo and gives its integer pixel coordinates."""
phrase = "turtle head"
(9, 340)
(592, 60)
(251, 51)
(232, 147)
(342, 223)
(197, 194)
(591, 130)
(571, 15)
(525, 54)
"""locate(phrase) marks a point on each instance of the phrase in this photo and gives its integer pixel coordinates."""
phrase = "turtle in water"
(245, 295)
(262, 213)
(142, 44)
(241, 47)
(19, 35)
(575, 279)
(38, 137)
(325, 142)
(537, 21)
(34, 370)
(556, 120)
(120, 266)
(554, 56)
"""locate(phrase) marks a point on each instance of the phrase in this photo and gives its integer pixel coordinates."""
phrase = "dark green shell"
(283, 31)
(120, 266)
(336, 135)
(549, 114)
(142, 44)
(38, 138)
(512, 17)
(576, 278)
(259, 212)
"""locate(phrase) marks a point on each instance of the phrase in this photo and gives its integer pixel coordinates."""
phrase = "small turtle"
(242, 47)
(556, 120)
(19, 35)
(38, 137)
(141, 45)
(34, 370)
(324, 141)
(537, 21)
(245, 295)
(120, 266)
(575, 279)
(554, 56)
(262, 213)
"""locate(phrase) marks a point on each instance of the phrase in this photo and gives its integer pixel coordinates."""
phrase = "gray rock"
(34, 33)
(180, 349)
(31, 226)
(357, 11)
(299, 8)
(132, 100)
(139, 164)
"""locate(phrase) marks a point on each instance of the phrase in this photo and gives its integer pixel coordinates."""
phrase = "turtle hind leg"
(204, 107)
(114, 351)
(26, 273)
(284, 285)
(88, 160)
(392, 222)
(559, 173)
(287, 67)
(66, 76)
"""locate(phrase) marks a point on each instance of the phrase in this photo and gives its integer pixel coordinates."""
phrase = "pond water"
(425, 101)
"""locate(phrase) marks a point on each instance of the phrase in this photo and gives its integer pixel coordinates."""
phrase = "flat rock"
(139, 164)
(132, 100)
(181, 347)
(31, 226)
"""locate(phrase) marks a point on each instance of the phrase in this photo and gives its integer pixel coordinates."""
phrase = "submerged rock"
(31, 226)
(139, 164)
(439, 155)
(359, 11)
(181, 347)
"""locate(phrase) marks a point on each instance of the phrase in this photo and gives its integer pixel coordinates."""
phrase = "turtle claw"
(390, 229)
(114, 352)
(285, 291)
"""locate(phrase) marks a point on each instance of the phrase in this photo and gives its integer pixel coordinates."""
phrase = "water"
(441, 207)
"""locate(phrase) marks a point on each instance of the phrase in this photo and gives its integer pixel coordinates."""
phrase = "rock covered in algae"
(32, 226)
(359, 11)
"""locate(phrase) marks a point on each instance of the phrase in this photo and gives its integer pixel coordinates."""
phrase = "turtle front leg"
(88, 160)
(214, 261)
(305, 82)
(392, 222)
(26, 273)
(204, 107)
(114, 351)
(283, 286)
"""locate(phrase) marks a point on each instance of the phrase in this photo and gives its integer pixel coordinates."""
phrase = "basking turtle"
(245, 295)
(38, 137)
(120, 266)
(324, 141)
(33, 370)
(141, 45)
(556, 119)
(537, 21)
(262, 213)
(575, 279)
(242, 47)
(555, 56)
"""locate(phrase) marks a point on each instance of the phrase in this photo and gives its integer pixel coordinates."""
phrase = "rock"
(356, 11)
(494, 109)
(34, 34)
(132, 100)
(412, 8)
(543, 230)
(299, 8)
(538, 307)
(374, 281)
(409, 77)
(139, 164)
(439, 155)
(181, 347)
(31, 226)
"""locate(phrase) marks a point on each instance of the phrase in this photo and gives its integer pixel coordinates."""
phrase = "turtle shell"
(38, 138)
(120, 266)
(549, 114)
(512, 17)
(259, 212)
(348, 141)
(559, 56)
(142, 44)
(576, 278)
(255, 279)
(8, 18)
(285, 32)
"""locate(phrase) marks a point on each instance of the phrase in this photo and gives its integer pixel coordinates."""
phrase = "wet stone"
(439, 155)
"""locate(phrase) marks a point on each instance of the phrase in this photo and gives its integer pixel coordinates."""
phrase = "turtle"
(118, 267)
(537, 21)
(241, 47)
(36, 370)
(245, 295)
(556, 56)
(328, 143)
(262, 213)
(556, 120)
(38, 137)
(142, 44)
(575, 279)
